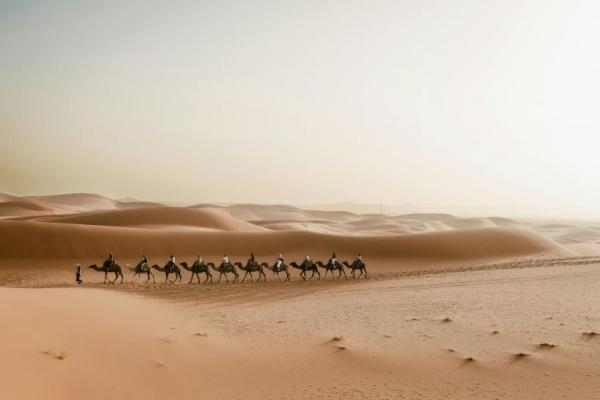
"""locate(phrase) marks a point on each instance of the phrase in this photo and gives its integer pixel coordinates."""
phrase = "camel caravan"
(280, 269)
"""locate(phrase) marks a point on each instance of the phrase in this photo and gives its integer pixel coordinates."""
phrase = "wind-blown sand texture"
(456, 308)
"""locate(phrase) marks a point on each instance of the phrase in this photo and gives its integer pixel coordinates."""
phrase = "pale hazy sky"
(489, 106)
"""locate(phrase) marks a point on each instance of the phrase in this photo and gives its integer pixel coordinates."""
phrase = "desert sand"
(483, 308)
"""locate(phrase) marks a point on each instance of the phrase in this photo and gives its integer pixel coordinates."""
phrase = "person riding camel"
(251, 260)
(358, 260)
(143, 261)
(225, 260)
(199, 260)
(109, 261)
(307, 261)
(279, 262)
(172, 262)
(333, 261)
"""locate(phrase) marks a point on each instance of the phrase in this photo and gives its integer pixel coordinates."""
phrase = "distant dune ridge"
(87, 226)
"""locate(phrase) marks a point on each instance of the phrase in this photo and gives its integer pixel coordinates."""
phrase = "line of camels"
(200, 267)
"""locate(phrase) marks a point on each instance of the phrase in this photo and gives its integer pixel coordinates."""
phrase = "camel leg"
(366, 276)
(303, 275)
(318, 273)
(287, 273)
(191, 277)
(244, 278)
(263, 275)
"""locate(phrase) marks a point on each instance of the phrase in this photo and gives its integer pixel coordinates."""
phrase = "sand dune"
(76, 202)
(63, 240)
(7, 197)
(20, 208)
(208, 218)
(62, 227)
(502, 332)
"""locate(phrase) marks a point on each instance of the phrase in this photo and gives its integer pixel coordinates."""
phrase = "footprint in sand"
(55, 355)
(590, 335)
(546, 346)
(519, 356)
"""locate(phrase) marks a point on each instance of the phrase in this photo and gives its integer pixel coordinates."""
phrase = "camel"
(306, 266)
(169, 268)
(330, 267)
(197, 268)
(253, 266)
(113, 267)
(357, 265)
(275, 270)
(142, 268)
(225, 269)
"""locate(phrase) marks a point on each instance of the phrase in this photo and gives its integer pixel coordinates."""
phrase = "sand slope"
(85, 227)
(66, 240)
(209, 218)
(513, 334)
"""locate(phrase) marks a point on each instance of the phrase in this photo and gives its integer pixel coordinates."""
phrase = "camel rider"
(109, 261)
(144, 261)
(251, 260)
(225, 260)
(279, 262)
(334, 261)
(358, 260)
(172, 260)
(199, 261)
(307, 259)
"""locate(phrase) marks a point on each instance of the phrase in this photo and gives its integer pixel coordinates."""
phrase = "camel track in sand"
(232, 293)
